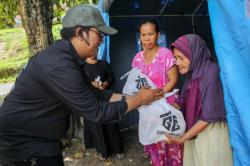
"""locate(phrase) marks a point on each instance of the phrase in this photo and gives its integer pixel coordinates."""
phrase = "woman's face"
(148, 36)
(182, 62)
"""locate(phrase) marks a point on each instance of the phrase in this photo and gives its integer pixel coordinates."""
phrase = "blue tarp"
(230, 20)
(103, 52)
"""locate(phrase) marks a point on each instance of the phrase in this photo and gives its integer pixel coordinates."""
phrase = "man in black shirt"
(35, 114)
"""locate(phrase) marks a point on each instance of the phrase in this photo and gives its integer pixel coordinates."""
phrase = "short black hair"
(69, 33)
(151, 21)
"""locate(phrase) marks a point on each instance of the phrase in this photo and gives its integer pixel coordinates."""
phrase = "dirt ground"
(77, 156)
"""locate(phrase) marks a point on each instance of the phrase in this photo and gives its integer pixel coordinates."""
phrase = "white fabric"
(211, 147)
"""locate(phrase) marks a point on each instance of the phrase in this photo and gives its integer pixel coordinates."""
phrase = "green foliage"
(56, 31)
(58, 13)
(62, 5)
(16, 53)
(70, 3)
(8, 11)
(2, 98)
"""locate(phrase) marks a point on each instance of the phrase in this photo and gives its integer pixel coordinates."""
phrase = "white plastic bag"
(159, 117)
(135, 81)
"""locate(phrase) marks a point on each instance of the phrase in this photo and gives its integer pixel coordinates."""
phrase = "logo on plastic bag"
(140, 82)
(170, 122)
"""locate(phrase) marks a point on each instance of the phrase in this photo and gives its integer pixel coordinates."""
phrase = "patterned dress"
(161, 154)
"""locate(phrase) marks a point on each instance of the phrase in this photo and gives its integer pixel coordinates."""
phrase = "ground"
(77, 156)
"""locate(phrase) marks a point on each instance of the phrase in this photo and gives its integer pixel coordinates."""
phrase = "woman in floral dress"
(158, 64)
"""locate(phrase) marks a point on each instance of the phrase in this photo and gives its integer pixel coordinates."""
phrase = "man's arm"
(143, 97)
(70, 88)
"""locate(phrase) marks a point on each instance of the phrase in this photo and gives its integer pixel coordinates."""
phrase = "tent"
(230, 26)
(175, 18)
(230, 22)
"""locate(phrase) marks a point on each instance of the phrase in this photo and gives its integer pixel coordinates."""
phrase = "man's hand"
(143, 97)
(147, 95)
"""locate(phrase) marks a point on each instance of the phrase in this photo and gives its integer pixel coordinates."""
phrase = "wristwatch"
(123, 98)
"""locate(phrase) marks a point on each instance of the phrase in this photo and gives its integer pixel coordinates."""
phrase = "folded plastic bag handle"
(124, 75)
(171, 93)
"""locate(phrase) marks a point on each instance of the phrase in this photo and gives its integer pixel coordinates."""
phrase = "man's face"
(94, 38)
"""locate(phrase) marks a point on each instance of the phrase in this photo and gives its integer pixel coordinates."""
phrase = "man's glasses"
(99, 33)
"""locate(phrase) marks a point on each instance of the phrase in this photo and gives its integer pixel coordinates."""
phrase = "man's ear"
(82, 34)
(79, 32)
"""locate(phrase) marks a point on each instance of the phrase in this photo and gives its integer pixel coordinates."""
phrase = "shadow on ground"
(77, 156)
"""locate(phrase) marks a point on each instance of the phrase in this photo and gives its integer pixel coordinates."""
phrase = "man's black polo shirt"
(35, 113)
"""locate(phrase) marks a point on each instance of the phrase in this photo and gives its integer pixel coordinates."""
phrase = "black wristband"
(124, 97)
